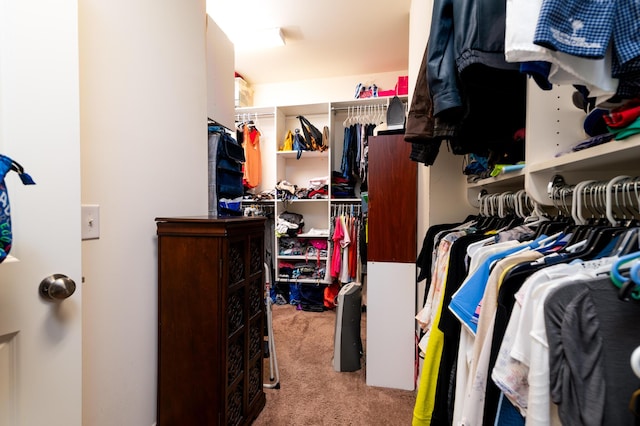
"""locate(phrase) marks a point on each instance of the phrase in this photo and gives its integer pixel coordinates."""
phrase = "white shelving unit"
(274, 123)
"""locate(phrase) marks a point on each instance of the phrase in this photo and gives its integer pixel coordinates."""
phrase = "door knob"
(57, 287)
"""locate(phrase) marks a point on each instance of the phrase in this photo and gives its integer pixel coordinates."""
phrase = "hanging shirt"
(353, 251)
(465, 302)
(336, 257)
(478, 373)
(345, 244)
(253, 162)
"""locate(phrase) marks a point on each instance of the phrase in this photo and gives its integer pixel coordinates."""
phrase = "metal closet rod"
(250, 115)
(358, 106)
(558, 187)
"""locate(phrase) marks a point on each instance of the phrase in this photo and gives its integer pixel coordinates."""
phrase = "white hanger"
(576, 207)
(345, 123)
(609, 201)
(635, 361)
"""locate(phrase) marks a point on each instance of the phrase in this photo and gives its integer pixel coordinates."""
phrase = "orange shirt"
(253, 162)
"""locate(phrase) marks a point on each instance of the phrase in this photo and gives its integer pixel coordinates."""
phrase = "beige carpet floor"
(311, 392)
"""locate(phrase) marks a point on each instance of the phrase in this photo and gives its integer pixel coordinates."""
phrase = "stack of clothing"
(318, 188)
(342, 187)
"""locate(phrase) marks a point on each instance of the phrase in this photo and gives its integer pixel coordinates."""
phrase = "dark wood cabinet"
(210, 320)
(393, 200)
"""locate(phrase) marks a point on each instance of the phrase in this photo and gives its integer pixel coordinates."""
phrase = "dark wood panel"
(392, 200)
(210, 320)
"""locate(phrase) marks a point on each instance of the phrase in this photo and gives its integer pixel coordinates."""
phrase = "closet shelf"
(338, 106)
(513, 181)
(305, 154)
(301, 257)
(505, 180)
(601, 162)
(346, 200)
(304, 200)
(621, 154)
(312, 235)
(302, 281)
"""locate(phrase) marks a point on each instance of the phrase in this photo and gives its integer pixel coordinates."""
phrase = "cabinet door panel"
(393, 205)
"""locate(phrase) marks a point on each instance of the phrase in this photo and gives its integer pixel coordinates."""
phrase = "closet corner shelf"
(305, 154)
(623, 154)
(502, 181)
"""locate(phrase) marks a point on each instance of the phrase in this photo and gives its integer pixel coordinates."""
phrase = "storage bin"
(402, 87)
(243, 93)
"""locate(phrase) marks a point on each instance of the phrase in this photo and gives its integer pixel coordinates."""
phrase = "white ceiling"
(324, 38)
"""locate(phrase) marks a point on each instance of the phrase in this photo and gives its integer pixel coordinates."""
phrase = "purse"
(313, 136)
(325, 138)
(300, 143)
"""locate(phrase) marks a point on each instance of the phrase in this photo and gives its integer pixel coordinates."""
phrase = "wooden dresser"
(210, 320)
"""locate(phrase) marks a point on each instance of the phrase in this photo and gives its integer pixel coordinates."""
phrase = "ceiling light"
(258, 39)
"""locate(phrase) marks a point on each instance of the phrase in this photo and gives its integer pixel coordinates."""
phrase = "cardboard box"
(243, 93)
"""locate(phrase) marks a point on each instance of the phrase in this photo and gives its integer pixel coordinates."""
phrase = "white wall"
(320, 90)
(419, 21)
(144, 155)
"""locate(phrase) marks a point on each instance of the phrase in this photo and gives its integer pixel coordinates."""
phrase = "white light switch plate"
(90, 221)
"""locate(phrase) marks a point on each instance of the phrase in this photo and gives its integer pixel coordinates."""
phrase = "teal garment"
(6, 237)
(625, 132)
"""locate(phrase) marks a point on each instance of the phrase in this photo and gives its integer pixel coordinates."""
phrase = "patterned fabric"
(626, 30)
(579, 27)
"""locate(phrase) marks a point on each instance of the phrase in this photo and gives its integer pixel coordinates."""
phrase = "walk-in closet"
(478, 259)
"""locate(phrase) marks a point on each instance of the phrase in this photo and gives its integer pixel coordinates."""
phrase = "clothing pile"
(266, 195)
(300, 270)
(317, 188)
(342, 187)
(312, 248)
(289, 223)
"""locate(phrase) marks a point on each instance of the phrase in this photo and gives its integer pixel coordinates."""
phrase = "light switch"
(90, 221)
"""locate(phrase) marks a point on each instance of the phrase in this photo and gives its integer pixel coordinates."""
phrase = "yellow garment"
(426, 398)
(287, 145)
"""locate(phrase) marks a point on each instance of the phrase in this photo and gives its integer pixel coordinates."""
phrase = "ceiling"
(324, 39)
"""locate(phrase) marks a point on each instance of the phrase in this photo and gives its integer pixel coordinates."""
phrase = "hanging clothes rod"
(349, 108)
(250, 115)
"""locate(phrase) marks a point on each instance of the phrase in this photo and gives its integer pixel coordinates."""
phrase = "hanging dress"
(253, 162)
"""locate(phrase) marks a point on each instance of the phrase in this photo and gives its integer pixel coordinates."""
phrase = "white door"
(40, 340)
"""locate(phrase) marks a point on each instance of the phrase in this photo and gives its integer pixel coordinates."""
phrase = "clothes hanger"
(635, 361)
(345, 123)
(609, 199)
(627, 287)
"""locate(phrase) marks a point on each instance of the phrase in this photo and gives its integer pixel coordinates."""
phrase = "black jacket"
(470, 82)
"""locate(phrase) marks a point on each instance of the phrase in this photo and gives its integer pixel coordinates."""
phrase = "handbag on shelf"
(300, 143)
(287, 145)
(314, 137)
